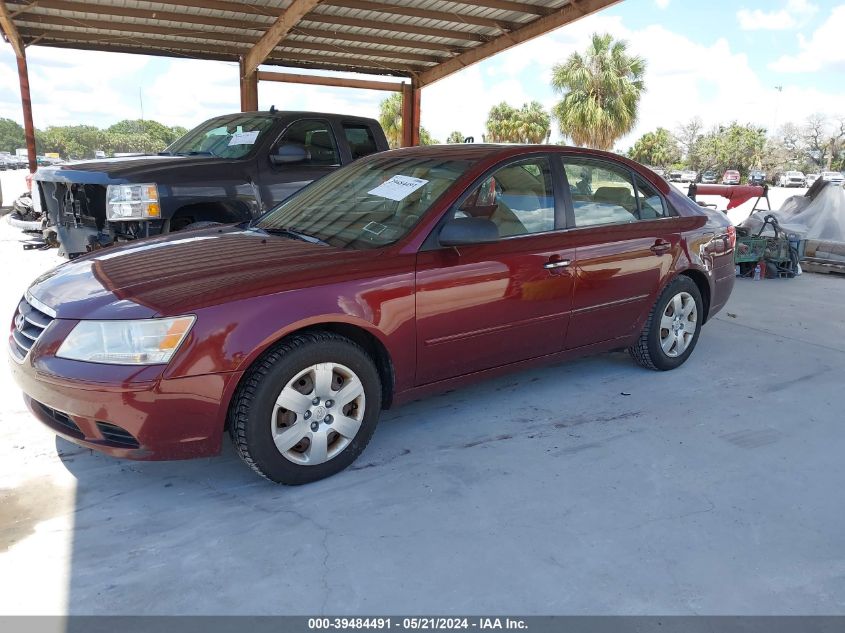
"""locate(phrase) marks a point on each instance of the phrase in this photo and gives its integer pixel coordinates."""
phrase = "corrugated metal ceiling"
(393, 37)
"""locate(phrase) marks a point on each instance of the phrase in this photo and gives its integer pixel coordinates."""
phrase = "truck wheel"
(672, 328)
(306, 409)
(203, 224)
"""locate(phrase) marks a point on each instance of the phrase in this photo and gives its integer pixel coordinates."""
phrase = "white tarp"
(820, 218)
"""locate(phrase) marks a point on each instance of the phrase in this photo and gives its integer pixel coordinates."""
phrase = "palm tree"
(601, 92)
(528, 124)
(390, 117)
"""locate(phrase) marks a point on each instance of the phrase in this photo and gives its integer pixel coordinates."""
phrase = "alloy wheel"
(678, 324)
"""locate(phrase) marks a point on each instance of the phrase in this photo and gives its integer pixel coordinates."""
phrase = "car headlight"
(132, 202)
(144, 342)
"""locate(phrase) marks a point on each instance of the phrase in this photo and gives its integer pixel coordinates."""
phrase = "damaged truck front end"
(84, 211)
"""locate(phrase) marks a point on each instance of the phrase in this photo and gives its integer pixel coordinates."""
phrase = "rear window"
(360, 139)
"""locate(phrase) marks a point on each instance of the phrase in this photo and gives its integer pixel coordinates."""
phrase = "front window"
(368, 204)
(231, 136)
(601, 193)
(518, 198)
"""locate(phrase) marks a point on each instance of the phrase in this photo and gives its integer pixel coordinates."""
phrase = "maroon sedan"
(405, 273)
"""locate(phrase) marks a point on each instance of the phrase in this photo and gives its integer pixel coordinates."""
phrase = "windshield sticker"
(243, 138)
(398, 187)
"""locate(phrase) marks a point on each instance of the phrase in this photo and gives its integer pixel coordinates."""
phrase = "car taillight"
(732, 236)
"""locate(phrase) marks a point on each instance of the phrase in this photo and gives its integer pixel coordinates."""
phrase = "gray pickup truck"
(230, 169)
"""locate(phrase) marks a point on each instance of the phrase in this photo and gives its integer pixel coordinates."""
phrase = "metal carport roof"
(421, 40)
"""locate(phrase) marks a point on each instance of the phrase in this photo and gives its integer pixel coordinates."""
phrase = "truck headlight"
(143, 342)
(132, 202)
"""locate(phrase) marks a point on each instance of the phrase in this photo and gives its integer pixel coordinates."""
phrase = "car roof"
(297, 114)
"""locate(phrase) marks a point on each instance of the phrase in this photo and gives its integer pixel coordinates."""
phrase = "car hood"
(181, 273)
(118, 170)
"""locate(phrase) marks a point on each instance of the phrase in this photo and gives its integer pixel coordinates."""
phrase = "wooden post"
(411, 114)
(14, 38)
(26, 103)
(249, 88)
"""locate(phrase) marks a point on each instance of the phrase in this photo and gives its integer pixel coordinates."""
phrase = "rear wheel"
(673, 327)
(306, 409)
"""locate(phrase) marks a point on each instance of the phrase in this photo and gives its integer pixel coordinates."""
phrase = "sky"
(721, 60)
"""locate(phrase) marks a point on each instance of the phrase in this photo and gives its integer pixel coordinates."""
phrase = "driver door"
(484, 305)
(278, 182)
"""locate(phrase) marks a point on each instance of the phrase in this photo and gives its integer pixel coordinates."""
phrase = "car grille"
(61, 420)
(30, 323)
(116, 435)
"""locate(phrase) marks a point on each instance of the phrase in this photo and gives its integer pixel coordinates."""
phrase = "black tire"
(647, 351)
(203, 224)
(252, 405)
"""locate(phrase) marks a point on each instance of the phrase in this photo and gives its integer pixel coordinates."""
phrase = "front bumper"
(128, 414)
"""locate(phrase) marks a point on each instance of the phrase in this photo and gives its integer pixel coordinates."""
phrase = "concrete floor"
(594, 487)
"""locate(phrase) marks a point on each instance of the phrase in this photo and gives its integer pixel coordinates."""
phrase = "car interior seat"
(321, 149)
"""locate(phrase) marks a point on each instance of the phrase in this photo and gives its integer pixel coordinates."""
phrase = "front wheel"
(306, 409)
(672, 328)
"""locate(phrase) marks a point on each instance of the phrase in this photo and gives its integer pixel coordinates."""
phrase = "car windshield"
(230, 136)
(368, 204)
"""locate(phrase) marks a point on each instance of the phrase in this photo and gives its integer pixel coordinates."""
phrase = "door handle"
(557, 263)
(661, 246)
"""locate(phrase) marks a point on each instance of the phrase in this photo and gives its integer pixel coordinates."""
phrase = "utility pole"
(777, 103)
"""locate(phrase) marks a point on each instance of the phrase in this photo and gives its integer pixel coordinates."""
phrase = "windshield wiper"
(297, 235)
(196, 153)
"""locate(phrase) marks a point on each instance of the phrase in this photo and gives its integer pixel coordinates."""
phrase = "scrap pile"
(814, 224)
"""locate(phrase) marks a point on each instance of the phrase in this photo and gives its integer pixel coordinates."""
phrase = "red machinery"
(735, 194)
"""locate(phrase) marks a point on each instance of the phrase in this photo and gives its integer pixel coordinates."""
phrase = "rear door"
(625, 239)
(485, 305)
(316, 136)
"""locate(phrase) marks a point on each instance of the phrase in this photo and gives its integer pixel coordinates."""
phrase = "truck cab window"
(360, 139)
(317, 139)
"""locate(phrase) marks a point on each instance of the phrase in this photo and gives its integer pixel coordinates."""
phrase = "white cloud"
(662, 4)
(822, 50)
(70, 86)
(795, 14)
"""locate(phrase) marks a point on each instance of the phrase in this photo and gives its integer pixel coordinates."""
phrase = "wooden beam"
(249, 89)
(26, 106)
(34, 21)
(334, 34)
(337, 82)
(250, 23)
(276, 33)
(394, 27)
(508, 5)
(218, 50)
(131, 12)
(10, 30)
(565, 15)
(410, 114)
(426, 14)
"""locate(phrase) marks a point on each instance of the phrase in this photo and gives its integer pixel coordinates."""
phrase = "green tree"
(455, 137)
(390, 117)
(71, 141)
(528, 124)
(153, 130)
(734, 146)
(11, 136)
(426, 138)
(601, 92)
(658, 148)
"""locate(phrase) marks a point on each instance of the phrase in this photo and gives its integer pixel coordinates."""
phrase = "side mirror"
(463, 231)
(289, 153)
